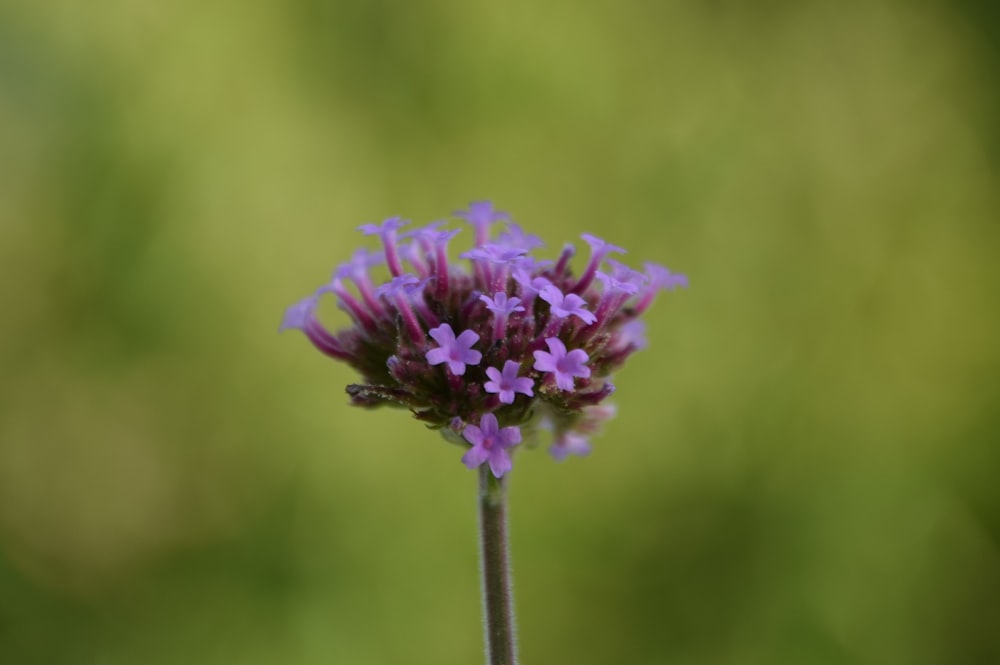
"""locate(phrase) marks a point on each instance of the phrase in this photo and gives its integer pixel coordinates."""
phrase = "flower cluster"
(483, 352)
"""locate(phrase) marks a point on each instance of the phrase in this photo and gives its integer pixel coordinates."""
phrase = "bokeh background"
(805, 464)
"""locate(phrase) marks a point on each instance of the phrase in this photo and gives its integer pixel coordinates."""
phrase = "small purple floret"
(570, 443)
(500, 304)
(386, 231)
(515, 237)
(507, 383)
(563, 365)
(599, 250)
(457, 352)
(660, 278)
(297, 315)
(490, 444)
(387, 227)
(565, 306)
(481, 215)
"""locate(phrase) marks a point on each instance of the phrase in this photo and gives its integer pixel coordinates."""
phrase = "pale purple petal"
(564, 381)
(544, 361)
(500, 462)
(467, 338)
(475, 456)
(437, 356)
(443, 335)
(489, 425)
(570, 443)
(660, 277)
(388, 226)
(297, 315)
(524, 385)
(509, 436)
(473, 435)
(515, 236)
(556, 346)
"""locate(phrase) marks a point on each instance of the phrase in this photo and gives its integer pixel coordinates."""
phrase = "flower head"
(490, 444)
(522, 338)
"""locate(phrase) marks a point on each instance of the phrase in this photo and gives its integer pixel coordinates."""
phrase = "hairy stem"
(498, 600)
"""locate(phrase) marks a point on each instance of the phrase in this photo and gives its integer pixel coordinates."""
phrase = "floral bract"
(484, 351)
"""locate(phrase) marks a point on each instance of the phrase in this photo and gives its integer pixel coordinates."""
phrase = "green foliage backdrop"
(804, 467)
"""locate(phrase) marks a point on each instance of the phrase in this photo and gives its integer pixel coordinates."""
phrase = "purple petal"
(509, 436)
(523, 385)
(457, 367)
(601, 246)
(556, 346)
(443, 334)
(437, 356)
(297, 315)
(564, 381)
(488, 425)
(544, 361)
(467, 339)
(473, 435)
(570, 443)
(500, 462)
(475, 456)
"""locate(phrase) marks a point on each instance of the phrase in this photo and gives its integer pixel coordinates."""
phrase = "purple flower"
(631, 334)
(497, 254)
(490, 443)
(621, 278)
(302, 316)
(508, 382)
(599, 249)
(487, 313)
(404, 292)
(356, 269)
(564, 306)
(386, 231)
(457, 352)
(570, 443)
(502, 307)
(563, 366)
(481, 215)
(515, 237)
(298, 315)
(660, 277)
(500, 304)
(531, 286)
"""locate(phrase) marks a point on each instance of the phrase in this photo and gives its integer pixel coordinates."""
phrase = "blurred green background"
(804, 469)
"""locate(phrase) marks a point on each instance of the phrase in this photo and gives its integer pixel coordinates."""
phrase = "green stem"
(498, 600)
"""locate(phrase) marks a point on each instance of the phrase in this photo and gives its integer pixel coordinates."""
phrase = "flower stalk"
(498, 598)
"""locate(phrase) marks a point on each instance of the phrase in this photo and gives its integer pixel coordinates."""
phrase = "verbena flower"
(507, 382)
(457, 346)
(490, 444)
